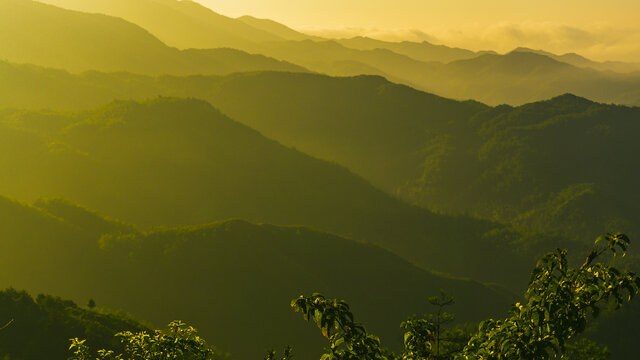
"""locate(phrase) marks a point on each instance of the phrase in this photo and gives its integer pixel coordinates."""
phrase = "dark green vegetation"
(192, 165)
(559, 301)
(40, 328)
(232, 279)
(178, 341)
(441, 154)
(542, 166)
(32, 32)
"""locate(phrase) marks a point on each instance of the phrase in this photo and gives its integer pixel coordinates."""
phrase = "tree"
(178, 342)
(427, 337)
(558, 302)
(348, 340)
(287, 354)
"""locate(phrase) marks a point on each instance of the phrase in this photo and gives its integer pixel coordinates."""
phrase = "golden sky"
(596, 28)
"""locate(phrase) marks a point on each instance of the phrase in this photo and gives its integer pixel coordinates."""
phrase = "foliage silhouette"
(559, 301)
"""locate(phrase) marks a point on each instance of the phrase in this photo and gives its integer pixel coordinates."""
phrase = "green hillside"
(418, 154)
(41, 327)
(232, 280)
(191, 164)
(546, 164)
(78, 42)
(361, 130)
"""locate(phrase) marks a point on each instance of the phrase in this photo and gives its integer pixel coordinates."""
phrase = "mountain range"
(191, 165)
(232, 280)
(415, 155)
(347, 166)
(79, 42)
(514, 78)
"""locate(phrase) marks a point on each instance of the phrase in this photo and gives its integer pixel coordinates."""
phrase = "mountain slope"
(232, 280)
(78, 41)
(580, 61)
(542, 165)
(520, 77)
(42, 327)
(434, 152)
(183, 24)
(191, 164)
(276, 28)
(423, 51)
(372, 126)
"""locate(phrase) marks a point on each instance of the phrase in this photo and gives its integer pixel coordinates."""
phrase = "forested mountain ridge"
(545, 164)
(188, 162)
(581, 61)
(79, 41)
(514, 78)
(263, 267)
(40, 327)
(373, 127)
(406, 141)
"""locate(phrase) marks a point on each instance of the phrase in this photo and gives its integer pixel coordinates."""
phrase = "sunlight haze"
(603, 30)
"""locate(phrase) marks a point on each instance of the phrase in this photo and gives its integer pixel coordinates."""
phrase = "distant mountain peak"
(569, 98)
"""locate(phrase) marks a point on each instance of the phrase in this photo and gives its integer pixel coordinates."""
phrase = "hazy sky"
(597, 28)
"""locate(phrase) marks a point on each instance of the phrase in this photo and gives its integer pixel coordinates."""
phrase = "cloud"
(599, 42)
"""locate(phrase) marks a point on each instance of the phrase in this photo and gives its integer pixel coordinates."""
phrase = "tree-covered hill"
(40, 328)
(541, 166)
(373, 127)
(521, 77)
(232, 280)
(567, 164)
(36, 33)
(191, 164)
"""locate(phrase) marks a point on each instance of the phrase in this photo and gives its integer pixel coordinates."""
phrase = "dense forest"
(249, 184)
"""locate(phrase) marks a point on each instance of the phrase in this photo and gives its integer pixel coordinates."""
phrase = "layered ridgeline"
(514, 78)
(567, 165)
(435, 152)
(36, 33)
(232, 280)
(180, 162)
(581, 61)
(40, 328)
